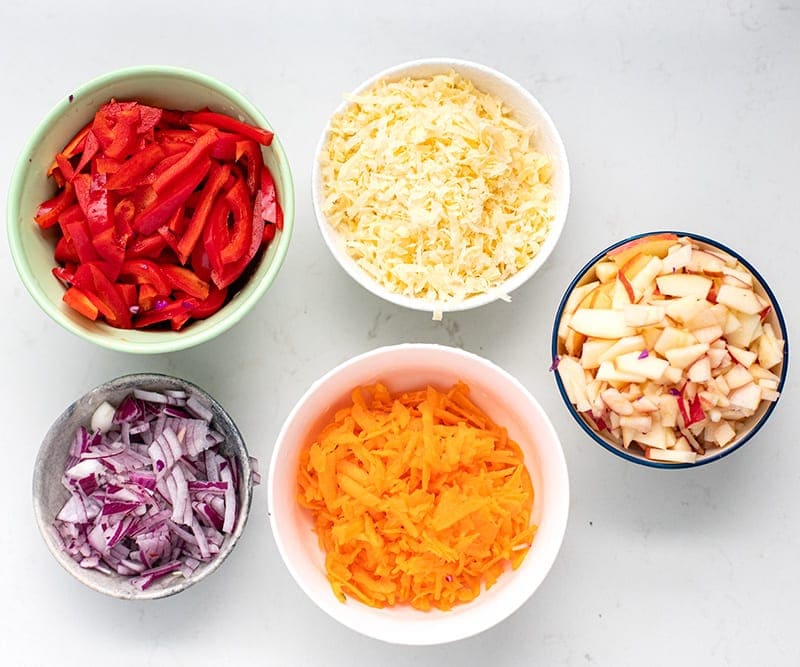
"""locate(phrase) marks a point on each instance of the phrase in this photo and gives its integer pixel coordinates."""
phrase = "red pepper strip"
(147, 296)
(130, 294)
(149, 117)
(223, 122)
(90, 279)
(146, 246)
(65, 251)
(58, 177)
(249, 153)
(215, 235)
(98, 210)
(143, 271)
(134, 168)
(172, 309)
(65, 166)
(79, 302)
(72, 214)
(278, 216)
(177, 136)
(225, 147)
(170, 117)
(82, 184)
(217, 176)
(159, 212)
(74, 147)
(169, 231)
(234, 270)
(124, 213)
(142, 198)
(196, 155)
(266, 201)
(90, 148)
(200, 264)
(242, 231)
(177, 221)
(78, 234)
(48, 213)
(107, 165)
(62, 274)
(269, 234)
(177, 322)
(209, 306)
(185, 280)
(111, 251)
(115, 127)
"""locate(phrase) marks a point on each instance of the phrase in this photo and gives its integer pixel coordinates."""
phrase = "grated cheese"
(437, 191)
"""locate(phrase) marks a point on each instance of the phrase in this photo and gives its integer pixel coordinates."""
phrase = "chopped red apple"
(671, 348)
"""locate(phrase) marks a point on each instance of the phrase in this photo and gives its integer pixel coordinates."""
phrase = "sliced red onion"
(644, 354)
(150, 494)
(554, 365)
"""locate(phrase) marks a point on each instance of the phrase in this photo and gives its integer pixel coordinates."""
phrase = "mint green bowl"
(32, 248)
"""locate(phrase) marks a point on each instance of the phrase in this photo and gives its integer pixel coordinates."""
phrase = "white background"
(674, 115)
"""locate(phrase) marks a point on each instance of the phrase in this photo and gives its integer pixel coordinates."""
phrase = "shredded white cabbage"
(436, 190)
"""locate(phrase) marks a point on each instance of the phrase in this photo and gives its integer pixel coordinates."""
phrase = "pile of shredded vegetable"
(437, 191)
(417, 498)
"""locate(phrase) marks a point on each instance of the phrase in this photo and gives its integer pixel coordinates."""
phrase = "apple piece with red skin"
(655, 244)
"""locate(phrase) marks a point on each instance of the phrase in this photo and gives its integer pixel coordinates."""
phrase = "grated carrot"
(418, 498)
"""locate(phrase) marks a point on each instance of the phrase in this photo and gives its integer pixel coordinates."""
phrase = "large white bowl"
(507, 402)
(527, 111)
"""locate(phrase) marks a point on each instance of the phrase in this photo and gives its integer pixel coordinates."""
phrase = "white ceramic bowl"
(403, 367)
(527, 111)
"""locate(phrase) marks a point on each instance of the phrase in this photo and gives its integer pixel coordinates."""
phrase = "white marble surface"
(675, 115)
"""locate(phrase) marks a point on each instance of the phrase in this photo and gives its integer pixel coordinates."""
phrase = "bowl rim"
(499, 292)
(558, 512)
(614, 449)
(14, 230)
(243, 510)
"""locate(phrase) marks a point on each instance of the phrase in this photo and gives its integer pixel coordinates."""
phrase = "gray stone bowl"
(49, 495)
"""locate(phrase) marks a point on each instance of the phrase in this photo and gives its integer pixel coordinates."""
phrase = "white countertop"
(674, 115)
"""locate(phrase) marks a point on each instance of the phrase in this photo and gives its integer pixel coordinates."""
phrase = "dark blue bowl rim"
(725, 451)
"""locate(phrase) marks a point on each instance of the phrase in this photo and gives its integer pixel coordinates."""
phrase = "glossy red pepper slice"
(130, 294)
(110, 251)
(147, 297)
(132, 170)
(215, 234)
(80, 302)
(98, 208)
(159, 212)
(197, 154)
(210, 305)
(185, 280)
(90, 148)
(65, 166)
(238, 199)
(78, 234)
(233, 271)
(249, 154)
(65, 251)
(48, 213)
(166, 312)
(145, 271)
(269, 234)
(115, 126)
(107, 165)
(223, 122)
(74, 147)
(146, 247)
(194, 230)
(90, 279)
(149, 117)
(66, 276)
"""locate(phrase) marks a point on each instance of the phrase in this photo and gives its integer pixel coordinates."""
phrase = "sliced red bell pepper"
(74, 147)
(133, 169)
(225, 147)
(115, 126)
(197, 154)
(130, 294)
(145, 271)
(124, 212)
(249, 154)
(185, 280)
(65, 251)
(65, 166)
(78, 301)
(167, 312)
(71, 214)
(157, 213)
(65, 276)
(82, 184)
(48, 213)
(99, 207)
(147, 296)
(110, 251)
(146, 247)
(149, 117)
(233, 271)
(200, 263)
(142, 198)
(78, 234)
(90, 148)
(215, 234)
(269, 234)
(210, 305)
(223, 122)
(194, 230)
(107, 165)
(266, 202)
(90, 279)
(238, 199)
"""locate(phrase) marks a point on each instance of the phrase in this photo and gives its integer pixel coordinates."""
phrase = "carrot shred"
(418, 498)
